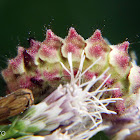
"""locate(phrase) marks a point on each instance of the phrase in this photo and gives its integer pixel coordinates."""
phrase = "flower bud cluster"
(108, 74)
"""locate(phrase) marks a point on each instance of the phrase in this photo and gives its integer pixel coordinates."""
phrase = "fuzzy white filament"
(88, 104)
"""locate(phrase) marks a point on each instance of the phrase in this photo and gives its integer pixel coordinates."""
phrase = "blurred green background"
(118, 20)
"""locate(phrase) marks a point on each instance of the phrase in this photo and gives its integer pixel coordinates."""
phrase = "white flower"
(85, 108)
